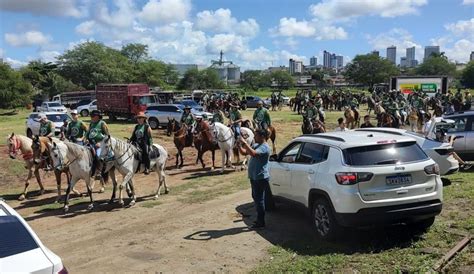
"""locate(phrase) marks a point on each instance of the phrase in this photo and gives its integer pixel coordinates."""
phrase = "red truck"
(123, 100)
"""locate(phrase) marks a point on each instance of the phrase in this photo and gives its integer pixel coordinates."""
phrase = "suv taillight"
(432, 169)
(352, 178)
(63, 271)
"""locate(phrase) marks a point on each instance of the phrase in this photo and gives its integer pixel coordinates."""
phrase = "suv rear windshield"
(14, 237)
(386, 154)
(58, 117)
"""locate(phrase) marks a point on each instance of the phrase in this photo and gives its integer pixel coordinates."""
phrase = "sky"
(254, 34)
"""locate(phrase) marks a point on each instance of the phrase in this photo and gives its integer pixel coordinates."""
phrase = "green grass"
(151, 203)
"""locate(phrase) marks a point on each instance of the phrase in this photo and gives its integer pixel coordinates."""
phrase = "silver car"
(158, 114)
(33, 124)
(463, 130)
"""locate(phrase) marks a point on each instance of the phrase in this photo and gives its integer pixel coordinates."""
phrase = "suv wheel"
(154, 123)
(84, 113)
(323, 220)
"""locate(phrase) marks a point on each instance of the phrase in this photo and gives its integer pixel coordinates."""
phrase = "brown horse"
(204, 141)
(352, 117)
(40, 147)
(179, 138)
(19, 144)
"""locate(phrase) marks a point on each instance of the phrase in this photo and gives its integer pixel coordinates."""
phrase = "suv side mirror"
(273, 158)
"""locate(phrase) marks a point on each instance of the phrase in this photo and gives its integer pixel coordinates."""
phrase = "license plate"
(398, 180)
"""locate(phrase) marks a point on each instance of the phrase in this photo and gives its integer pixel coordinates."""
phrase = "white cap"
(42, 116)
(74, 111)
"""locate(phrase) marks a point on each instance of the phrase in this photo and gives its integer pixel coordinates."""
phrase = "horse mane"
(123, 146)
(75, 149)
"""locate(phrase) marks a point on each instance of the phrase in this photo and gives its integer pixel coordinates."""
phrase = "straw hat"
(140, 114)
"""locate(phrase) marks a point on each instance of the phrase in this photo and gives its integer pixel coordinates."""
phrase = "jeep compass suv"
(358, 179)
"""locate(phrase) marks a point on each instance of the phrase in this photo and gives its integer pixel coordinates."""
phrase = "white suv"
(358, 179)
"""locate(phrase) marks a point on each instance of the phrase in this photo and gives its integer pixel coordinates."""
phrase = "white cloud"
(15, 63)
(462, 27)
(122, 17)
(49, 55)
(400, 38)
(339, 10)
(229, 43)
(165, 11)
(221, 20)
(29, 38)
(331, 33)
(459, 51)
(86, 27)
(45, 7)
(292, 27)
(467, 2)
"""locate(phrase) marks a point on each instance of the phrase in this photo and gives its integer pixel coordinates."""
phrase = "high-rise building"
(403, 62)
(410, 57)
(299, 67)
(392, 54)
(313, 61)
(333, 63)
(375, 52)
(326, 59)
(471, 58)
(339, 62)
(429, 50)
(295, 66)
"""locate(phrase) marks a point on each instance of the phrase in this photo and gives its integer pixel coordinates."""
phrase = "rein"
(61, 164)
(231, 135)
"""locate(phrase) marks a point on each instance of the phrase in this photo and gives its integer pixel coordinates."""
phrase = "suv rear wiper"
(388, 161)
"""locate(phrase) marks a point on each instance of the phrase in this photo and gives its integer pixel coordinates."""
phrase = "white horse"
(79, 161)
(125, 161)
(226, 140)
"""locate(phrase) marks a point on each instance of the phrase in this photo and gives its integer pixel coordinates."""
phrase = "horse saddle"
(154, 152)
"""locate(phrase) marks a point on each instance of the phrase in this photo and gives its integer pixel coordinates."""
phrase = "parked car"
(81, 103)
(52, 106)
(440, 152)
(21, 251)
(158, 114)
(84, 110)
(358, 179)
(251, 102)
(33, 124)
(191, 103)
(463, 130)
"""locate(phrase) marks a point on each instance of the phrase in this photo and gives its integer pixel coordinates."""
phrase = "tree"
(151, 72)
(195, 79)
(370, 69)
(14, 91)
(282, 78)
(467, 76)
(436, 65)
(251, 79)
(91, 63)
(135, 52)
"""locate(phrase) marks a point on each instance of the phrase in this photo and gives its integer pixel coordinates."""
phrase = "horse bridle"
(117, 158)
(61, 166)
(222, 141)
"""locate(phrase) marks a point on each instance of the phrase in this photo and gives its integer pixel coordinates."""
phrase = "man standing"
(261, 117)
(258, 172)
(341, 125)
(46, 126)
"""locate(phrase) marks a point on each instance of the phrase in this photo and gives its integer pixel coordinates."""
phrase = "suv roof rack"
(328, 137)
(380, 131)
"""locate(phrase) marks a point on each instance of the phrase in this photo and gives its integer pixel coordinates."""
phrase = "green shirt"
(75, 130)
(217, 117)
(311, 112)
(96, 132)
(46, 128)
(235, 115)
(187, 119)
(261, 115)
(141, 132)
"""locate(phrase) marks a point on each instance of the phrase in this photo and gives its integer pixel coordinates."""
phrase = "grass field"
(394, 249)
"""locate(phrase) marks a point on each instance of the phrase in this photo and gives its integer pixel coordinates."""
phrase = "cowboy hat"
(42, 116)
(96, 113)
(74, 112)
(140, 114)
(187, 107)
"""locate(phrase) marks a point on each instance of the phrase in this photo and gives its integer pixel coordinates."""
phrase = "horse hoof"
(167, 191)
(66, 209)
(121, 203)
(111, 201)
(212, 168)
(132, 203)
(42, 191)
(156, 197)
(22, 197)
(90, 207)
(101, 190)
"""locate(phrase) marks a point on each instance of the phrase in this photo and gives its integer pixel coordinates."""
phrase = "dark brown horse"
(180, 139)
(204, 141)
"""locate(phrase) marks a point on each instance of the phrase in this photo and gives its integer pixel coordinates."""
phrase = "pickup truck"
(51, 106)
(71, 99)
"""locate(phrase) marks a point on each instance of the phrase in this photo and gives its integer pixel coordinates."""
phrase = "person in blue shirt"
(258, 172)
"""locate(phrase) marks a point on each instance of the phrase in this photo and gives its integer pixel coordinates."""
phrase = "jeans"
(259, 187)
(236, 127)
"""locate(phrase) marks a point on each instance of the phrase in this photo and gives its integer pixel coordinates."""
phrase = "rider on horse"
(311, 112)
(46, 126)
(97, 131)
(235, 118)
(76, 129)
(261, 117)
(217, 115)
(142, 137)
(188, 120)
